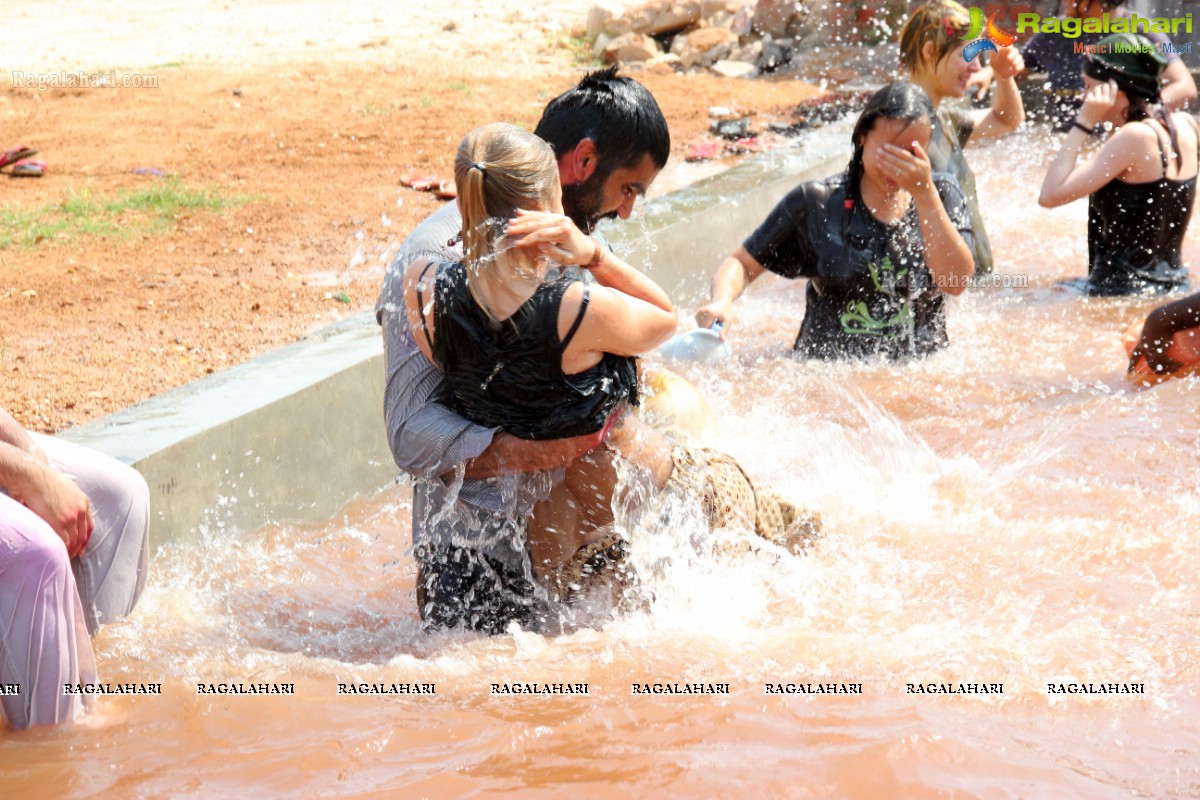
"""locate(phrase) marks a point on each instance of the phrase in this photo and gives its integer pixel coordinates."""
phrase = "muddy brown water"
(1007, 512)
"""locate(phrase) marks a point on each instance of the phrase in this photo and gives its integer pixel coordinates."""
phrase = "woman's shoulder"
(417, 269)
(424, 273)
(1143, 132)
(1148, 139)
(948, 185)
(955, 120)
(1185, 119)
(834, 183)
(565, 293)
(564, 284)
(817, 193)
(431, 265)
(954, 199)
(1152, 128)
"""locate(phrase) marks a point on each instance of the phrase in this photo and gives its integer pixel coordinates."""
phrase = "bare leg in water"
(579, 510)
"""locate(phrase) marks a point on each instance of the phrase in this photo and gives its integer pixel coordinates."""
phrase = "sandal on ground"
(445, 190)
(748, 144)
(441, 189)
(422, 183)
(16, 154)
(28, 168)
(703, 151)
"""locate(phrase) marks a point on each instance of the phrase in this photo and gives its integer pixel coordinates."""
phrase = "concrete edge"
(296, 433)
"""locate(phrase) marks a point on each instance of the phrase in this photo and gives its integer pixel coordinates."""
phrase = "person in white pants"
(74, 544)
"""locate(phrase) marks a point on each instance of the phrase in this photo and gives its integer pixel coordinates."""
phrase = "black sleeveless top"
(508, 373)
(1135, 231)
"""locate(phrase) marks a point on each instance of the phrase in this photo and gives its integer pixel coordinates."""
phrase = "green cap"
(1130, 59)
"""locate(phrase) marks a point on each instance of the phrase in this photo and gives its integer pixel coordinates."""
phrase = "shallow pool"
(1007, 512)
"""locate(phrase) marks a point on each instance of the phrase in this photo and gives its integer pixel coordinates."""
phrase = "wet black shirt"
(509, 374)
(1135, 233)
(869, 292)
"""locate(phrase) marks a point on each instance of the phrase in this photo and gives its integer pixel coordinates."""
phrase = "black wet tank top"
(1135, 232)
(508, 373)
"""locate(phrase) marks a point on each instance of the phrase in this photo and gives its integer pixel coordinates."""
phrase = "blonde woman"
(544, 354)
(931, 50)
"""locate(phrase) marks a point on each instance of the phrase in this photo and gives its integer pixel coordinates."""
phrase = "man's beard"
(582, 201)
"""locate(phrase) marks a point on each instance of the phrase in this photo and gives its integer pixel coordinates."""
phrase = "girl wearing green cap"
(1141, 185)
(1055, 55)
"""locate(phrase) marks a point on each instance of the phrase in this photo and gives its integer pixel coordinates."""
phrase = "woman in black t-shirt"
(881, 243)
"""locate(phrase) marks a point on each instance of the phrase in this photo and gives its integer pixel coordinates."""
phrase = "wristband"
(1084, 128)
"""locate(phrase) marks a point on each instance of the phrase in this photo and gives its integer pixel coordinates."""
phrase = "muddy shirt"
(952, 127)
(869, 292)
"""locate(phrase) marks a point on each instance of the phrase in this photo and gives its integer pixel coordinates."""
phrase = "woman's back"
(508, 373)
(1136, 226)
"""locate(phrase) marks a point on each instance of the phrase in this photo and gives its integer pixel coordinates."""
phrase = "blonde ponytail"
(499, 168)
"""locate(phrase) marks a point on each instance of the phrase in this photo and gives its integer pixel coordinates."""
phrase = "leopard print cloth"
(730, 498)
(727, 496)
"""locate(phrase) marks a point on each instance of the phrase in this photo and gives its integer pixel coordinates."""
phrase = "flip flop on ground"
(703, 151)
(441, 189)
(28, 168)
(422, 183)
(16, 154)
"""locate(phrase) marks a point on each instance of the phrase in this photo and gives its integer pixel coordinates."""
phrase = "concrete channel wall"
(295, 434)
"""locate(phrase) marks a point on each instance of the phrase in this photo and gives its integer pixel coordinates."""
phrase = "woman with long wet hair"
(881, 243)
(1141, 185)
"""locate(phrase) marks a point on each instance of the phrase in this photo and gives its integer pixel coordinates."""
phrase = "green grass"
(151, 210)
(580, 48)
(460, 86)
(390, 108)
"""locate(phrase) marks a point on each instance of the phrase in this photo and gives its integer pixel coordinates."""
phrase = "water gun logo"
(991, 35)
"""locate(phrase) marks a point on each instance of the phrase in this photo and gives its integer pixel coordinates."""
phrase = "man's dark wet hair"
(618, 114)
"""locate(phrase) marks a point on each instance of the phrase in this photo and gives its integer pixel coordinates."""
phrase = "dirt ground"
(299, 126)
